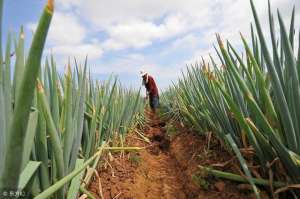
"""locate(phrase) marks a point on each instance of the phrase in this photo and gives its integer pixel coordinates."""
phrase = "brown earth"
(167, 168)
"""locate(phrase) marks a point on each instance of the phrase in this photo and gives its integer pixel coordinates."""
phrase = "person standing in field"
(151, 90)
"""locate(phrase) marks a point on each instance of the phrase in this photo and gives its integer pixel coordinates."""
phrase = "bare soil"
(167, 168)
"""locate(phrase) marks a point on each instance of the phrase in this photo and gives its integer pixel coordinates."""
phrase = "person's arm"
(144, 84)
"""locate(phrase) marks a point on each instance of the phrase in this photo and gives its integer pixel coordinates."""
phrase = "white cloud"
(93, 51)
(66, 29)
(136, 56)
(139, 33)
(134, 25)
(130, 66)
(67, 4)
(236, 18)
(189, 42)
(103, 13)
(31, 26)
(67, 37)
(138, 24)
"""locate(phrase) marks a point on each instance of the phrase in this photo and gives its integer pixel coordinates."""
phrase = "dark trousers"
(154, 102)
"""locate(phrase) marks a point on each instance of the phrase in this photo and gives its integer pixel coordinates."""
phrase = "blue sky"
(126, 36)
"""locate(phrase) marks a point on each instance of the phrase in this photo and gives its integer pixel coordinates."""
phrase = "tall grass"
(253, 98)
(51, 122)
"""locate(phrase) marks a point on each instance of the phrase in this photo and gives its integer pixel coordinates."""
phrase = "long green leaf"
(75, 183)
(12, 161)
(29, 138)
(28, 173)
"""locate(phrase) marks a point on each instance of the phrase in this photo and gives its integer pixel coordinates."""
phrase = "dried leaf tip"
(22, 34)
(220, 42)
(68, 69)
(50, 5)
(39, 86)
(242, 36)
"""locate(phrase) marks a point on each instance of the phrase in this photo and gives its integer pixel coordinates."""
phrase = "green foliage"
(171, 130)
(200, 181)
(16, 122)
(255, 97)
(135, 159)
(53, 119)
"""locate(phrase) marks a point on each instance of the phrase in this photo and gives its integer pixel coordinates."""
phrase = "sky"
(124, 37)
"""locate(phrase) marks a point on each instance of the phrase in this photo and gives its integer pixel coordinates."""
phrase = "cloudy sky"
(126, 36)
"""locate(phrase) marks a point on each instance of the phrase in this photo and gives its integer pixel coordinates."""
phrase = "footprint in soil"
(162, 124)
(164, 145)
(159, 139)
(158, 124)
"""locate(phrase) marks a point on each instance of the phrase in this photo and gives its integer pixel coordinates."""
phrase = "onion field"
(61, 132)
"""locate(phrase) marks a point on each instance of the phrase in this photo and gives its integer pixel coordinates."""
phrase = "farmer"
(151, 90)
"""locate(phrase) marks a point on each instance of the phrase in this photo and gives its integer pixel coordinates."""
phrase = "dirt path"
(158, 177)
(164, 170)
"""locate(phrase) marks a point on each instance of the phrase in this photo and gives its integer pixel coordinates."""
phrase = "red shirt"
(151, 87)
